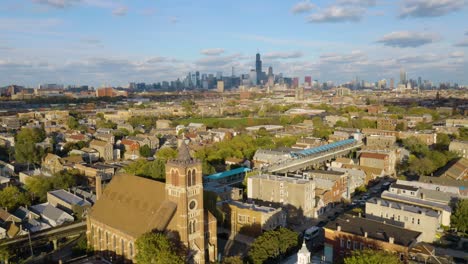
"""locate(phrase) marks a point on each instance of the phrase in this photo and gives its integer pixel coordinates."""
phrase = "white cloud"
(334, 14)
(430, 8)
(57, 3)
(212, 52)
(463, 43)
(358, 2)
(405, 39)
(457, 54)
(302, 7)
(120, 11)
(283, 55)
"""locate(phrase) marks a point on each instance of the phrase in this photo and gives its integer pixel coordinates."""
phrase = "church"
(131, 206)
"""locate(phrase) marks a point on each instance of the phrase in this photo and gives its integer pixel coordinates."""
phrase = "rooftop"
(375, 230)
(69, 198)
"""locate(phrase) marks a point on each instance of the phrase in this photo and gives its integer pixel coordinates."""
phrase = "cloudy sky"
(114, 42)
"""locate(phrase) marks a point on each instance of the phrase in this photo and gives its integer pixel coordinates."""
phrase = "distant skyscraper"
(419, 81)
(258, 68)
(270, 71)
(295, 82)
(403, 76)
(392, 83)
(308, 80)
(197, 75)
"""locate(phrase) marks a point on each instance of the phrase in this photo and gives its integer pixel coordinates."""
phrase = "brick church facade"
(131, 206)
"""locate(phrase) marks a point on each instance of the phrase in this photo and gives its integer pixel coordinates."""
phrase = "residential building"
(51, 215)
(131, 206)
(68, 202)
(52, 163)
(411, 195)
(335, 183)
(411, 217)
(105, 149)
(297, 194)
(380, 141)
(460, 147)
(384, 161)
(250, 219)
(347, 234)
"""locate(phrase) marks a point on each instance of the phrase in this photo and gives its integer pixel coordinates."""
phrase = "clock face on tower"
(192, 205)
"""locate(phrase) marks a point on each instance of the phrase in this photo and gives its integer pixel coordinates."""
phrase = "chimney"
(365, 234)
(391, 240)
(98, 187)
(338, 228)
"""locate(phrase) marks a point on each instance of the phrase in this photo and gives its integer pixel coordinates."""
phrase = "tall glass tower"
(258, 68)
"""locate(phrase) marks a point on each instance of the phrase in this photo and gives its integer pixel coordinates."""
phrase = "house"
(250, 219)
(347, 233)
(105, 149)
(412, 195)
(457, 170)
(7, 169)
(105, 137)
(460, 147)
(131, 206)
(68, 202)
(132, 149)
(297, 194)
(31, 221)
(384, 161)
(335, 182)
(51, 215)
(52, 163)
(412, 217)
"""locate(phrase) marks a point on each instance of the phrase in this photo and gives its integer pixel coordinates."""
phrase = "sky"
(114, 42)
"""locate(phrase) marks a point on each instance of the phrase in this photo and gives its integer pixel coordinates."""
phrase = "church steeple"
(184, 153)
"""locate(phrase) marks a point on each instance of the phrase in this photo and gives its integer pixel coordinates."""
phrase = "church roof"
(184, 153)
(134, 205)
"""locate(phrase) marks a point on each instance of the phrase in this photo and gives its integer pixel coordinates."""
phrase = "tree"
(156, 248)
(39, 186)
(73, 123)
(145, 151)
(25, 145)
(5, 254)
(233, 260)
(460, 217)
(443, 141)
(155, 169)
(372, 257)
(166, 153)
(11, 198)
(272, 245)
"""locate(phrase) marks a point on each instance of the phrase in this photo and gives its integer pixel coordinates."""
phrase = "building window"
(189, 178)
(341, 243)
(348, 244)
(412, 220)
(122, 245)
(361, 246)
(114, 242)
(419, 221)
(194, 178)
(192, 227)
(398, 217)
(241, 218)
(355, 245)
(130, 250)
(107, 240)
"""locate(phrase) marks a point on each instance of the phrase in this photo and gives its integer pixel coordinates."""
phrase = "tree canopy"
(460, 217)
(272, 245)
(11, 198)
(156, 248)
(25, 145)
(145, 151)
(372, 257)
(39, 186)
(166, 153)
(155, 169)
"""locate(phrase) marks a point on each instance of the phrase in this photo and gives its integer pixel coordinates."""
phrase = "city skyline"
(100, 42)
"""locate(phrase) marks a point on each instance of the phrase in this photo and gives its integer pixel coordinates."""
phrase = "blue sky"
(114, 42)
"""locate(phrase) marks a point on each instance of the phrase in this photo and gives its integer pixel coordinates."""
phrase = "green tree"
(272, 245)
(189, 107)
(460, 217)
(156, 248)
(166, 153)
(155, 169)
(372, 257)
(72, 123)
(233, 260)
(11, 198)
(25, 145)
(443, 141)
(39, 186)
(145, 151)
(463, 133)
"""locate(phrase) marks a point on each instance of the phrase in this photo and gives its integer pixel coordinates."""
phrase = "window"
(361, 246)
(355, 245)
(192, 227)
(114, 243)
(122, 247)
(348, 244)
(419, 221)
(398, 217)
(412, 220)
(341, 242)
(107, 240)
(130, 250)
(189, 178)
(194, 177)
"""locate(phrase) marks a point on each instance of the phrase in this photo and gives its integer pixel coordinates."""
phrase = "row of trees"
(40, 185)
(423, 160)
(273, 245)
